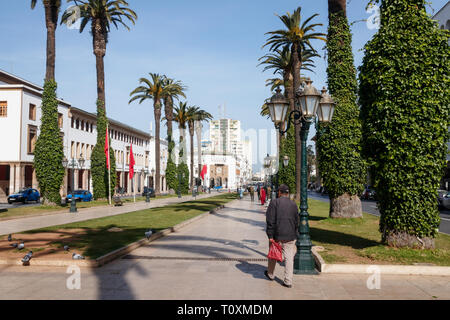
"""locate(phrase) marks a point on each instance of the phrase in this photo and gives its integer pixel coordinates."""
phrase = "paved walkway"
(200, 262)
(37, 222)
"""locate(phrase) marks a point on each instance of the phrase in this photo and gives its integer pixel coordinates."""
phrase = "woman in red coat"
(263, 196)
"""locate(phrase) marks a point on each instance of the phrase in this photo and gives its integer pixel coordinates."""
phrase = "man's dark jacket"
(282, 219)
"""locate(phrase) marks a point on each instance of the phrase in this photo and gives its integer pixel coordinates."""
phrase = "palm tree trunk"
(99, 38)
(168, 110)
(296, 65)
(335, 6)
(51, 21)
(199, 145)
(157, 112)
(191, 133)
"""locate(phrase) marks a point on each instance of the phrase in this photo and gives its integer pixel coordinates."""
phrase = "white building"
(20, 114)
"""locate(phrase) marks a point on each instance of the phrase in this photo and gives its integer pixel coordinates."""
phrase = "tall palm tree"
(175, 90)
(101, 14)
(297, 36)
(154, 89)
(199, 117)
(52, 8)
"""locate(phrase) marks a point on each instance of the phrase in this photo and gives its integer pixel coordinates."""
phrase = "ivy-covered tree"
(49, 151)
(286, 175)
(183, 169)
(341, 164)
(171, 174)
(405, 102)
(98, 159)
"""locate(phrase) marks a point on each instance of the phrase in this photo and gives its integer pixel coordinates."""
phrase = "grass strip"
(94, 240)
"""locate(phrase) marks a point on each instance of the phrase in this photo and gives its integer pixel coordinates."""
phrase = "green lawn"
(359, 241)
(20, 212)
(94, 240)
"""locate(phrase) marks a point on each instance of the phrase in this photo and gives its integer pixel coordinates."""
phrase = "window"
(3, 109)
(32, 112)
(60, 120)
(32, 138)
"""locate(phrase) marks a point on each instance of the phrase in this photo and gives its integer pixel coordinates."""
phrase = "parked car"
(149, 190)
(24, 196)
(79, 195)
(441, 195)
(369, 194)
(445, 202)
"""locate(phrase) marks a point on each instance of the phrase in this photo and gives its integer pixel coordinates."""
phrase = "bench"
(117, 201)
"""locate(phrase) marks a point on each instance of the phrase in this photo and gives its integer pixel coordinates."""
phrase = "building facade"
(20, 114)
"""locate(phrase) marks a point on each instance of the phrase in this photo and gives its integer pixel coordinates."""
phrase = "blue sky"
(212, 46)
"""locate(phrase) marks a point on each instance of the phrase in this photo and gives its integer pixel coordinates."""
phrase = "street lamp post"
(73, 164)
(312, 103)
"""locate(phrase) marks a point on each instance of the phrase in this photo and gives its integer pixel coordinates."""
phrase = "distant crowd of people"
(262, 192)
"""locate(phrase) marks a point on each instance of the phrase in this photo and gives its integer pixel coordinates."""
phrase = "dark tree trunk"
(296, 65)
(168, 110)
(51, 21)
(157, 112)
(335, 6)
(99, 39)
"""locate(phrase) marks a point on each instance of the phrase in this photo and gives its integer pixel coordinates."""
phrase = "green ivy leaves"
(405, 102)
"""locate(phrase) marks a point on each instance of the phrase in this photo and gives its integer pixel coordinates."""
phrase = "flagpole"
(109, 168)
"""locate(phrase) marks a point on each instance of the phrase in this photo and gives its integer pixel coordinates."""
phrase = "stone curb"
(101, 261)
(383, 269)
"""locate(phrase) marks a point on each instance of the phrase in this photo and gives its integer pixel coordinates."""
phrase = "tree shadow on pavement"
(255, 223)
(339, 238)
(254, 269)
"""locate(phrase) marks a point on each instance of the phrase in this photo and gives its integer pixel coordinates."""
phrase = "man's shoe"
(287, 285)
(267, 275)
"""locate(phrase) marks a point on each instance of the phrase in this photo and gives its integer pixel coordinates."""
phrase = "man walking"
(282, 226)
(252, 193)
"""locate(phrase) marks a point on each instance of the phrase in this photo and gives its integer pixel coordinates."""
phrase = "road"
(370, 206)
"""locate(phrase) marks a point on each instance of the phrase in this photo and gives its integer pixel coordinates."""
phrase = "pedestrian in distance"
(252, 194)
(263, 196)
(282, 227)
(258, 191)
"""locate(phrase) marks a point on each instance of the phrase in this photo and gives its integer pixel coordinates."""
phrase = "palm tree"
(155, 89)
(175, 90)
(199, 117)
(297, 36)
(52, 8)
(101, 14)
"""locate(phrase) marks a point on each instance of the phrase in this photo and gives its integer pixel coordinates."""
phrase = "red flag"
(131, 162)
(107, 149)
(204, 171)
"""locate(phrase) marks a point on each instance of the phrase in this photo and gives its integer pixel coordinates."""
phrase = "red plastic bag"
(275, 251)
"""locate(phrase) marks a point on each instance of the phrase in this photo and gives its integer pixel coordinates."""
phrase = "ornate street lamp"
(286, 161)
(73, 164)
(311, 102)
